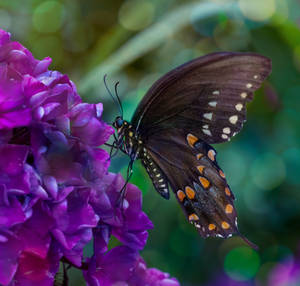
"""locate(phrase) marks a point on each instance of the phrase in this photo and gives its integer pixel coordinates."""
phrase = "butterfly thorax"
(128, 139)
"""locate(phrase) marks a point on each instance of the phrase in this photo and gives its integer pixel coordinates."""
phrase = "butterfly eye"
(118, 122)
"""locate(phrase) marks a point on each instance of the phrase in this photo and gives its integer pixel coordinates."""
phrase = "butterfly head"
(118, 123)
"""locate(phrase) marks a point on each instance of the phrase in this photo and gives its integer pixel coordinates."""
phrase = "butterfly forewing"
(206, 96)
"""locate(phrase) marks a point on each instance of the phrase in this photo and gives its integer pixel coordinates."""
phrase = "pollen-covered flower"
(55, 191)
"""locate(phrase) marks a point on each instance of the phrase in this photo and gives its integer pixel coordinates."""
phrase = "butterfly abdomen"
(158, 178)
(134, 147)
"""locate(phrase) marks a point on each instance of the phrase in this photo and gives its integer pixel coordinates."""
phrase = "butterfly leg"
(111, 154)
(123, 190)
(66, 278)
(117, 145)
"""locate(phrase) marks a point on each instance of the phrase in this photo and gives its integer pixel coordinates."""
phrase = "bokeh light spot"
(48, 17)
(257, 10)
(241, 263)
(135, 15)
(268, 171)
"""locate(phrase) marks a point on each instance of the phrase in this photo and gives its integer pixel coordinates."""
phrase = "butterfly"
(199, 103)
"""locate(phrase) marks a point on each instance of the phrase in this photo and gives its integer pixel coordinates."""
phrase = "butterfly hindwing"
(198, 183)
(207, 96)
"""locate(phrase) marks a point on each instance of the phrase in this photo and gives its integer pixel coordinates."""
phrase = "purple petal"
(11, 211)
(35, 271)
(12, 158)
(103, 269)
(4, 37)
(9, 255)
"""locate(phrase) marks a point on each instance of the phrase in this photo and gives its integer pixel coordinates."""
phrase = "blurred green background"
(137, 41)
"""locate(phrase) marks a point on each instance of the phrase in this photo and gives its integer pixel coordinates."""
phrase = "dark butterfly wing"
(199, 184)
(206, 96)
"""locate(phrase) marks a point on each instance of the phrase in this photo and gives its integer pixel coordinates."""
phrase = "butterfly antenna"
(119, 100)
(109, 92)
(251, 244)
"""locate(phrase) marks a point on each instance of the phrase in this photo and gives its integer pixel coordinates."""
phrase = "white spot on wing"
(206, 131)
(207, 116)
(224, 136)
(212, 103)
(239, 107)
(233, 119)
(226, 130)
(249, 85)
(205, 126)
(255, 76)
(243, 95)
(216, 92)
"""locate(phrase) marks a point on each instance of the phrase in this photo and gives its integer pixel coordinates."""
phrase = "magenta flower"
(55, 192)
(122, 266)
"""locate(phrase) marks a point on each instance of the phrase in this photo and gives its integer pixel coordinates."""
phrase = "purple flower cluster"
(55, 192)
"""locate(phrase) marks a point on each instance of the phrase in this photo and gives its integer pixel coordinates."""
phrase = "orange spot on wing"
(199, 156)
(227, 192)
(180, 195)
(222, 174)
(225, 225)
(191, 139)
(200, 169)
(193, 217)
(204, 182)
(190, 192)
(211, 154)
(229, 209)
(211, 226)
